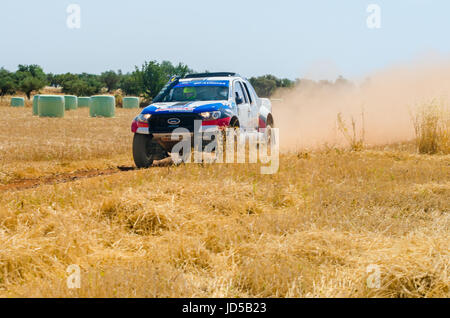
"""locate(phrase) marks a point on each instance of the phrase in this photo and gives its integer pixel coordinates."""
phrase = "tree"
(285, 82)
(170, 70)
(82, 86)
(264, 86)
(150, 79)
(30, 84)
(130, 85)
(93, 81)
(75, 87)
(7, 83)
(61, 79)
(182, 70)
(111, 80)
(52, 80)
(30, 78)
(79, 84)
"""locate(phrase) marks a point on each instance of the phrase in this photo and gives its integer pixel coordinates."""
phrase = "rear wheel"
(146, 150)
(267, 132)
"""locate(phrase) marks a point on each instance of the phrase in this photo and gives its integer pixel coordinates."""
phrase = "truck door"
(243, 105)
(254, 109)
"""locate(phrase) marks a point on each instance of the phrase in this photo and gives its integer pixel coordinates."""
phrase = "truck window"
(245, 92)
(252, 89)
(238, 90)
(248, 93)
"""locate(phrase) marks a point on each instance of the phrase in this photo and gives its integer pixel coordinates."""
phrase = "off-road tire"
(233, 125)
(146, 151)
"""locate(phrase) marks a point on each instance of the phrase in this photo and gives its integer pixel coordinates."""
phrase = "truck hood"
(184, 107)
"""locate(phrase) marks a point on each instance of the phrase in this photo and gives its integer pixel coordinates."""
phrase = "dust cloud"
(307, 114)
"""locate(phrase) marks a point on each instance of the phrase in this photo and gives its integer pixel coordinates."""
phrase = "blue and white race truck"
(216, 100)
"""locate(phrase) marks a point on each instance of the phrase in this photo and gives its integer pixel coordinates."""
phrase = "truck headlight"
(143, 118)
(210, 115)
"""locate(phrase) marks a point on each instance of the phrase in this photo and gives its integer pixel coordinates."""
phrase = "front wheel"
(146, 150)
(232, 131)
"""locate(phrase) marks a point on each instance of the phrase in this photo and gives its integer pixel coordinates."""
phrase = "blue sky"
(288, 38)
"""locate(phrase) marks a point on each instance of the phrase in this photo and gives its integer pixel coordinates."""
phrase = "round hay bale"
(130, 102)
(17, 102)
(51, 106)
(35, 105)
(102, 106)
(71, 102)
(83, 101)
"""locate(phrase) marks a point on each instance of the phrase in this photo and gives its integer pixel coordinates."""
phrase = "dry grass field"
(311, 230)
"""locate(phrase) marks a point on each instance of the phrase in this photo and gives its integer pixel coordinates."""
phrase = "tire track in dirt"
(25, 184)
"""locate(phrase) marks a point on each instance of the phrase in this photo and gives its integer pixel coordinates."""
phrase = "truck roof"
(215, 74)
(218, 76)
(184, 80)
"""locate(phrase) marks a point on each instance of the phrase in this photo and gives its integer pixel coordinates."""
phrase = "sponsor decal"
(203, 83)
(179, 107)
(175, 109)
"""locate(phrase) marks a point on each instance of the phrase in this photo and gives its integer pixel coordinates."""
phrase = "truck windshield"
(185, 92)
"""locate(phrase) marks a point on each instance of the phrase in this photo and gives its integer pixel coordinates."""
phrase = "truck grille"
(159, 123)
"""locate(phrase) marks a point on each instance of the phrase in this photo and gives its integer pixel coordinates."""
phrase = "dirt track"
(55, 179)
(24, 184)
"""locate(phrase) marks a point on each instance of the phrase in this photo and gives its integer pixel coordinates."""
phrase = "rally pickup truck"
(216, 100)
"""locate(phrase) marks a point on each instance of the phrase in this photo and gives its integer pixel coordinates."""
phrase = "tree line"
(145, 81)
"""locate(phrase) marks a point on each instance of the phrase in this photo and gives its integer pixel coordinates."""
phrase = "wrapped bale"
(17, 102)
(71, 102)
(35, 105)
(102, 106)
(51, 106)
(130, 102)
(83, 101)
